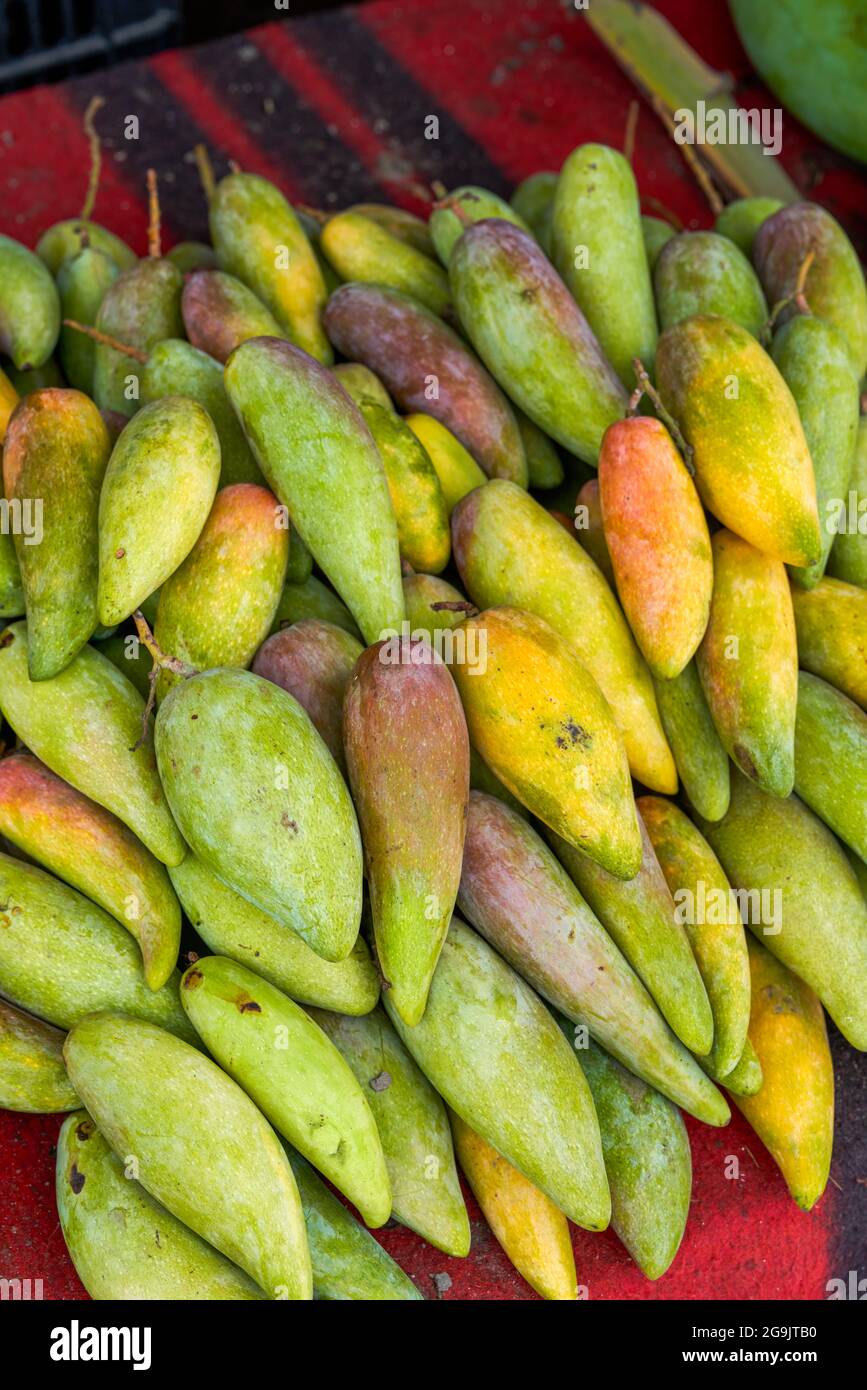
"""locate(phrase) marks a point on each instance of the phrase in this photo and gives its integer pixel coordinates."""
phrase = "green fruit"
(404, 225)
(456, 469)
(447, 225)
(82, 283)
(705, 273)
(314, 661)
(747, 1078)
(361, 383)
(29, 306)
(365, 252)
(313, 599)
(11, 590)
(848, 558)
(740, 220)
(190, 256)
(533, 200)
(831, 759)
(656, 234)
(131, 657)
(32, 1075)
(220, 313)
(64, 239)
(831, 623)
(423, 593)
(544, 469)
(702, 762)
(140, 308)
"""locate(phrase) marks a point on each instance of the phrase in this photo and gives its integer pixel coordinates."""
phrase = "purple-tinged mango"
(831, 759)
(365, 252)
(705, 273)
(220, 313)
(32, 1075)
(141, 307)
(29, 306)
(456, 469)
(702, 762)
(740, 220)
(848, 558)
(314, 661)
(831, 623)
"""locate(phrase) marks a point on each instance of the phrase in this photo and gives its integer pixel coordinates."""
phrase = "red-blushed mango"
(702, 762)
(589, 531)
(407, 754)
(365, 252)
(32, 1075)
(831, 623)
(533, 1232)
(313, 660)
(456, 469)
(793, 1113)
(658, 540)
(752, 465)
(705, 273)
(543, 726)
(220, 312)
(511, 551)
(831, 759)
(748, 662)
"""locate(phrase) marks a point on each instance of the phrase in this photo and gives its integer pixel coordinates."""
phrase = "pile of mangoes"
(547, 604)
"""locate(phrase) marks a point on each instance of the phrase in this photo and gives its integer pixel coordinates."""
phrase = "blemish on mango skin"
(246, 1005)
(780, 1002)
(193, 979)
(76, 1179)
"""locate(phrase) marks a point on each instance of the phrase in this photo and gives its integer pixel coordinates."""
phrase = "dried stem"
(95, 104)
(631, 126)
(161, 662)
(696, 168)
(797, 297)
(154, 219)
(646, 387)
(316, 214)
(206, 170)
(234, 166)
(454, 606)
(665, 213)
(99, 337)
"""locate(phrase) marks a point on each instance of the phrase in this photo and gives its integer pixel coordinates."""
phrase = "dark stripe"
(848, 1240)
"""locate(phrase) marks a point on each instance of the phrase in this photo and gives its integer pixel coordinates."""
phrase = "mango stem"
(646, 387)
(94, 105)
(797, 297)
(206, 170)
(316, 214)
(161, 662)
(631, 127)
(154, 217)
(455, 606)
(99, 337)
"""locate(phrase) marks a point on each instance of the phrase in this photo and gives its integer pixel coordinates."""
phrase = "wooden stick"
(206, 170)
(154, 219)
(646, 386)
(99, 337)
(631, 126)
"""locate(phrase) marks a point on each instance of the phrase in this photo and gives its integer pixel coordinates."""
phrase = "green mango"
(320, 459)
(86, 725)
(156, 495)
(533, 200)
(365, 252)
(62, 957)
(740, 220)
(231, 926)
(125, 1245)
(792, 870)
(55, 453)
(403, 225)
(131, 657)
(456, 469)
(82, 283)
(482, 779)
(533, 337)
(11, 589)
(544, 469)
(220, 313)
(848, 558)
(259, 798)
(32, 1075)
(300, 564)
(140, 308)
(702, 762)
(705, 273)
(190, 256)
(295, 1075)
(313, 660)
(656, 234)
(413, 1126)
(746, 1078)
(831, 759)
(312, 599)
(361, 383)
(259, 239)
(447, 225)
(598, 247)
(831, 623)
(29, 306)
(33, 378)
(422, 592)
(490, 1048)
(63, 240)
(196, 1143)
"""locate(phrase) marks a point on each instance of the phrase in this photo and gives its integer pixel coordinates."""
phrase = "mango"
(89, 848)
(702, 762)
(748, 662)
(800, 897)
(752, 465)
(523, 902)
(456, 469)
(848, 558)
(314, 661)
(433, 608)
(402, 224)
(745, 1079)
(131, 657)
(259, 239)
(740, 220)
(533, 337)
(190, 256)
(425, 366)
(831, 623)
(29, 306)
(462, 207)
(656, 234)
(489, 1046)
(365, 252)
(482, 779)
(533, 200)
(360, 383)
(259, 799)
(82, 283)
(32, 1075)
(63, 239)
(141, 307)
(33, 378)
(589, 531)
(85, 725)
(544, 469)
(831, 759)
(196, 1143)
(413, 1127)
(793, 1113)
(320, 460)
(509, 550)
(706, 273)
(597, 246)
(54, 458)
(532, 1232)
(11, 591)
(313, 599)
(220, 313)
(8, 400)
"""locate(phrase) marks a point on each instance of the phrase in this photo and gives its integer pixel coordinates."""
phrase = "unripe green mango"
(365, 252)
(62, 957)
(196, 1143)
(831, 759)
(656, 234)
(320, 459)
(32, 1075)
(706, 273)
(447, 225)
(82, 283)
(831, 623)
(140, 308)
(63, 240)
(33, 378)
(11, 590)
(86, 725)
(55, 455)
(218, 606)
(740, 220)
(125, 1245)
(220, 313)
(314, 661)
(259, 239)
(819, 931)
(91, 849)
(295, 1075)
(848, 558)
(29, 306)
(131, 657)
(533, 200)
(456, 469)
(403, 225)
(544, 469)
(259, 798)
(492, 1050)
(156, 495)
(422, 594)
(312, 599)
(533, 337)
(413, 1126)
(190, 256)
(482, 779)
(360, 383)
(300, 565)
(597, 246)
(746, 1078)
(752, 465)
(814, 363)
(523, 902)
(702, 762)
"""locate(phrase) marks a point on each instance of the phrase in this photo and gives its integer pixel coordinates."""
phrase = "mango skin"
(748, 663)
(259, 799)
(746, 1078)
(830, 759)
(361, 383)
(589, 531)
(295, 1075)
(422, 595)
(414, 488)
(831, 623)
(220, 313)
(656, 234)
(533, 1233)
(402, 224)
(413, 1126)
(9, 398)
(706, 273)
(131, 657)
(83, 724)
(11, 591)
(29, 306)
(314, 661)
(82, 283)
(523, 902)
(57, 449)
(544, 728)
(719, 947)
(365, 252)
(169, 452)
(33, 1078)
(427, 367)
(509, 550)
(141, 307)
(321, 461)
(92, 850)
(532, 336)
(848, 558)
(544, 469)
(456, 469)
(201, 1147)
(793, 1113)
(740, 220)
(190, 256)
(596, 206)
(533, 200)
(63, 239)
(498, 1059)
(447, 226)
(763, 842)
(313, 599)
(407, 754)
(752, 465)
(62, 957)
(124, 1245)
(251, 222)
(702, 762)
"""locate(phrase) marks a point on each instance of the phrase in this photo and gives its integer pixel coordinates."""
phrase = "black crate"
(45, 40)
